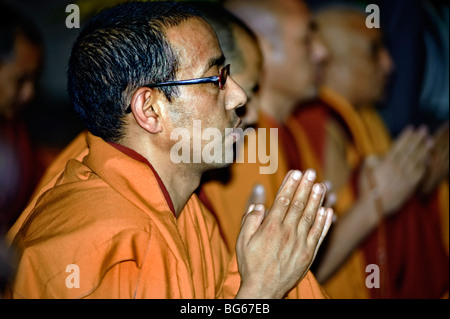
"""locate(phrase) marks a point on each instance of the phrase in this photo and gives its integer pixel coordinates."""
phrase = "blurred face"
(18, 77)
(359, 64)
(298, 63)
(199, 55)
(375, 67)
(248, 78)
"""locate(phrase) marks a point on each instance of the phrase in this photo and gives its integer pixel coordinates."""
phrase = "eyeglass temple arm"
(183, 82)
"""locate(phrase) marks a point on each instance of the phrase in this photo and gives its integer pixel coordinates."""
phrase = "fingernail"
(259, 207)
(250, 208)
(322, 211)
(318, 189)
(311, 175)
(296, 175)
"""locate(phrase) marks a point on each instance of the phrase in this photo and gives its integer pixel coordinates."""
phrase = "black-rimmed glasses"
(219, 80)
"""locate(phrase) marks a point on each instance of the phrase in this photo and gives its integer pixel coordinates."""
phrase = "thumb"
(251, 222)
(258, 194)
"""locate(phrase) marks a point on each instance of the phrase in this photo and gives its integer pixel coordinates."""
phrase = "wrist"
(370, 207)
(377, 203)
(254, 291)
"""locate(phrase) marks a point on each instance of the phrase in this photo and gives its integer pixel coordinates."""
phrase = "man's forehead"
(194, 41)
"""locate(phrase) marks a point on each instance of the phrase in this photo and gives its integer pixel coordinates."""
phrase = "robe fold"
(414, 240)
(109, 216)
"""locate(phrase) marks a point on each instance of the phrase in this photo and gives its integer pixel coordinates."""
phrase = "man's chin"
(215, 166)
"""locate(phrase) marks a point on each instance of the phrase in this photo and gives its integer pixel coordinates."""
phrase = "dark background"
(50, 118)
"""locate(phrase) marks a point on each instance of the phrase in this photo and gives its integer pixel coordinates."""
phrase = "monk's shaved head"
(291, 52)
(358, 61)
(343, 30)
(263, 17)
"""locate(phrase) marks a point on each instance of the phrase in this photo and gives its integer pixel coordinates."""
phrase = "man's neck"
(180, 180)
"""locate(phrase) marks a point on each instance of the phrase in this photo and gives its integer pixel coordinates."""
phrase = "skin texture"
(290, 234)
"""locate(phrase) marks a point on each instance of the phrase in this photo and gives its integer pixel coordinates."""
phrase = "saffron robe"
(415, 239)
(111, 216)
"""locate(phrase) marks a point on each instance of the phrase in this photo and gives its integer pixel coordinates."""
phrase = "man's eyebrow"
(214, 62)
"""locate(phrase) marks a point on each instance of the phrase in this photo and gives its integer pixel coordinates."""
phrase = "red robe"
(415, 239)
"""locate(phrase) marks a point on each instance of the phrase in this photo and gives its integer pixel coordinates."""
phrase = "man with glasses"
(123, 218)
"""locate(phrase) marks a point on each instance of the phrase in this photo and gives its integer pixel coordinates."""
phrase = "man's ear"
(143, 106)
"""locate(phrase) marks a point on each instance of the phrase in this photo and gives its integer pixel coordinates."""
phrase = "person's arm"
(347, 234)
(384, 187)
(275, 251)
(437, 168)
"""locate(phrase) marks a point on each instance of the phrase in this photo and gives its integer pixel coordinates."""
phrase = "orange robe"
(76, 149)
(415, 239)
(111, 216)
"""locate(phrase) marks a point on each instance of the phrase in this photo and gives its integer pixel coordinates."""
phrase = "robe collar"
(138, 157)
(130, 175)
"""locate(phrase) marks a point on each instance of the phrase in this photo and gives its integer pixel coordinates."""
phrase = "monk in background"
(21, 60)
(392, 202)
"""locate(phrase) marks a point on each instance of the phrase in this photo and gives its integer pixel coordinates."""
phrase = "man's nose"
(236, 96)
(319, 51)
(386, 62)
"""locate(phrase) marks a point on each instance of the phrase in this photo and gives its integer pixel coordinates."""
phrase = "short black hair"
(12, 22)
(118, 51)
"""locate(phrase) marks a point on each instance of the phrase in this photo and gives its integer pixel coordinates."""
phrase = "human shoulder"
(92, 228)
